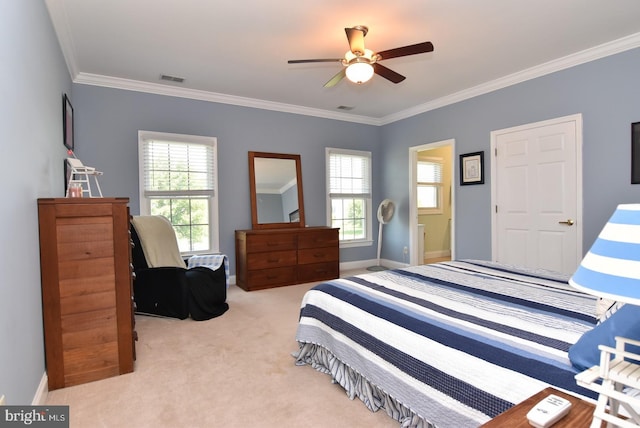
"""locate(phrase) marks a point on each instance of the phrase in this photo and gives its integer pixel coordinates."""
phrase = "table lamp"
(611, 270)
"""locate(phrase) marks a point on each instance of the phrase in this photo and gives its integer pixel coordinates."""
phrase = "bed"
(451, 344)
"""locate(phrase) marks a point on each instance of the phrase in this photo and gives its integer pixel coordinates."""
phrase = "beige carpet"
(232, 371)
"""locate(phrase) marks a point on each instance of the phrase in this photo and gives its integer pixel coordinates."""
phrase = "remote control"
(548, 411)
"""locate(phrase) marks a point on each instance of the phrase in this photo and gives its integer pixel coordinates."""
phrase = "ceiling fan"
(359, 64)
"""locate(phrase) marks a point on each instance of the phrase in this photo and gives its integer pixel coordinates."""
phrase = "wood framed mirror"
(275, 181)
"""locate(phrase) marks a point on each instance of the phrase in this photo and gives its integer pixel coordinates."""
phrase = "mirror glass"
(276, 190)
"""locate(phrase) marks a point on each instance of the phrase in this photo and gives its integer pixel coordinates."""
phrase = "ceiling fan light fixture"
(359, 72)
(367, 56)
(360, 64)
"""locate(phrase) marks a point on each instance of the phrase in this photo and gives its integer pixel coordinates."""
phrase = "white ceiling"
(236, 51)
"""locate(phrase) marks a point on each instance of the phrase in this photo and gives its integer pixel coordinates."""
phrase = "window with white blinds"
(429, 186)
(173, 166)
(178, 179)
(349, 195)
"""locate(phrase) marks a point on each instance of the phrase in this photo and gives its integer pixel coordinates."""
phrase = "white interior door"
(536, 184)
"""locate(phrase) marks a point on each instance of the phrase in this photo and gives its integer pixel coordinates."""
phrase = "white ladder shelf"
(78, 176)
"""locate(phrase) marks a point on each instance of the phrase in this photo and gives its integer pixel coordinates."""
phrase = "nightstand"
(580, 414)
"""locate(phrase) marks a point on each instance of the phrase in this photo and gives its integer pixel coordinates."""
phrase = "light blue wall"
(33, 77)
(108, 121)
(606, 92)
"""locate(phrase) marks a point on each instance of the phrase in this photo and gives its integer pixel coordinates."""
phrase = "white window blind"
(429, 172)
(349, 175)
(178, 167)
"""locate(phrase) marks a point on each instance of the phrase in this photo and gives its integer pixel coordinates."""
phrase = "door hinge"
(496, 209)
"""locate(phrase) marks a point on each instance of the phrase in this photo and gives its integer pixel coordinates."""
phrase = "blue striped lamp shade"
(611, 268)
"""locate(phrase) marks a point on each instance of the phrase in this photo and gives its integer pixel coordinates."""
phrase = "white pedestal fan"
(385, 214)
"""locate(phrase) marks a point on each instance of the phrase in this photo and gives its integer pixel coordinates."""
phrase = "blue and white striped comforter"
(448, 345)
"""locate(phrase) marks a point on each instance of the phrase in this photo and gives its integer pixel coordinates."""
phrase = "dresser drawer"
(271, 277)
(317, 255)
(318, 271)
(271, 259)
(271, 242)
(318, 238)
(268, 258)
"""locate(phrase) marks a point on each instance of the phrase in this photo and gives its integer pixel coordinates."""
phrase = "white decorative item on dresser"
(78, 182)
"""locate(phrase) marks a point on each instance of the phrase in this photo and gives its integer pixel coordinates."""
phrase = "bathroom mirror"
(275, 181)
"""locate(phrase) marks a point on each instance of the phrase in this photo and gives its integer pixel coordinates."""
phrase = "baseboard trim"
(363, 264)
(40, 399)
(437, 254)
(359, 264)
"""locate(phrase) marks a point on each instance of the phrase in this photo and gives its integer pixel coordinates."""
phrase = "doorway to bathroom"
(431, 202)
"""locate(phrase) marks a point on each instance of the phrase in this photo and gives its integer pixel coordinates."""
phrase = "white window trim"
(368, 241)
(145, 204)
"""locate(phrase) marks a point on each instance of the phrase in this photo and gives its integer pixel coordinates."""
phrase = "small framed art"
(635, 153)
(67, 123)
(472, 168)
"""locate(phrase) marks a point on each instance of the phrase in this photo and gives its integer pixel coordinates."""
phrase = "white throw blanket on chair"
(158, 240)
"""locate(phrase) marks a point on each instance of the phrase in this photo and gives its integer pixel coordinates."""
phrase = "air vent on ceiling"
(345, 108)
(171, 78)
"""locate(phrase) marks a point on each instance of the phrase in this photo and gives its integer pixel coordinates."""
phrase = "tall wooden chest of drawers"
(267, 258)
(86, 280)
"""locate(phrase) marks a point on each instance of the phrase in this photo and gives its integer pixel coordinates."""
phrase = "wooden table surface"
(579, 416)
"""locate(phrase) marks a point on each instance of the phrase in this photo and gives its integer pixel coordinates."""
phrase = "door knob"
(568, 222)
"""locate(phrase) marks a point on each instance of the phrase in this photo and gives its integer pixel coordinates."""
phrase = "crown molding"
(172, 91)
(601, 51)
(592, 54)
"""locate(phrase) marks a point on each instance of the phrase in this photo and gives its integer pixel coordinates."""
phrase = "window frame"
(439, 209)
(212, 196)
(368, 210)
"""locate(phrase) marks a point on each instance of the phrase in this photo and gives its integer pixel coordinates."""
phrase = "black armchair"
(173, 291)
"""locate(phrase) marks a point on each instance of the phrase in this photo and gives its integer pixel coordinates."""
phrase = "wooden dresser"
(267, 258)
(85, 253)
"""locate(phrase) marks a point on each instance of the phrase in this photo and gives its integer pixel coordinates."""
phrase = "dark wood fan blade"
(336, 79)
(302, 61)
(418, 48)
(387, 73)
(356, 40)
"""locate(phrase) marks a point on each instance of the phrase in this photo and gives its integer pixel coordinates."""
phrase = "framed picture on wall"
(635, 153)
(472, 168)
(67, 123)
